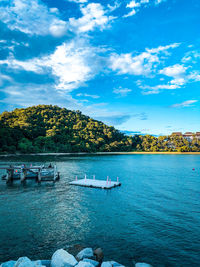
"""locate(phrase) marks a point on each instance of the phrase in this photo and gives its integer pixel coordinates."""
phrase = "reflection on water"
(152, 217)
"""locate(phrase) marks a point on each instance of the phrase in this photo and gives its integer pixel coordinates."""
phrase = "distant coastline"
(101, 153)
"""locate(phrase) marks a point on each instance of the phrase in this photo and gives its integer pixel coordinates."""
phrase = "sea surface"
(153, 217)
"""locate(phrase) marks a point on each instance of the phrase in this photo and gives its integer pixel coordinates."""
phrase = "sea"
(154, 217)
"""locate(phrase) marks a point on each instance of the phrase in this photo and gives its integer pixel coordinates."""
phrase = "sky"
(131, 64)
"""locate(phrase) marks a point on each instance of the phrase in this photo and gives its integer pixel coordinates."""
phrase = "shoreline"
(101, 153)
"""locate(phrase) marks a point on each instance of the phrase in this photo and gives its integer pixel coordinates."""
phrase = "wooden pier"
(37, 173)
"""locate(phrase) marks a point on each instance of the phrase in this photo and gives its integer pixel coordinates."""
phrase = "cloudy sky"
(132, 64)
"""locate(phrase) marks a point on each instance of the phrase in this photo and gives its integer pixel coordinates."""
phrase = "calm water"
(154, 216)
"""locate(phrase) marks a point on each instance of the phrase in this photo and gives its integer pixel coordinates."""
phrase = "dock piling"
(55, 173)
(39, 175)
(23, 173)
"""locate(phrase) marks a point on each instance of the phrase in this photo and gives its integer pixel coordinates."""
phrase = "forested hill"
(47, 128)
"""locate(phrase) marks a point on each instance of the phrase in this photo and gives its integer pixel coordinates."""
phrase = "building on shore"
(188, 135)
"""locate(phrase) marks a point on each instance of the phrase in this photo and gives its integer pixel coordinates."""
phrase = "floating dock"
(37, 173)
(108, 184)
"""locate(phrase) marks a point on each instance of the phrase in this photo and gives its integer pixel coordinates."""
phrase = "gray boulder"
(99, 254)
(24, 262)
(116, 264)
(85, 253)
(84, 264)
(95, 263)
(61, 258)
(8, 264)
(38, 263)
(106, 264)
(142, 264)
(111, 264)
(46, 263)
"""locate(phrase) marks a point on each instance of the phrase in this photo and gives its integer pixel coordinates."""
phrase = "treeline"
(47, 128)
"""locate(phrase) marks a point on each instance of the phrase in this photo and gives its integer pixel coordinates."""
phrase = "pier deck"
(95, 183)
(37, 173)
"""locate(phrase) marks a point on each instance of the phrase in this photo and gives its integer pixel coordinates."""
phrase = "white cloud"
(175, 71)
(187, 103)
(72, 64)
(148, 90)
(58, 28)
(135, 6)
(54, 10)
(34, 94)
(78, 1)
(179, 76)
(32, 17)
(191, 57)
(195, 76)
(162, 48)
(34, 65)
(122, 91)
(94, 16)
(157, 2)
(4, 78)
(137, 65)
(88, 95)
(141, 64)
(114, 6)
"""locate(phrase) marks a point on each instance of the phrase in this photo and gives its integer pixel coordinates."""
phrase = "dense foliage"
(47, 128)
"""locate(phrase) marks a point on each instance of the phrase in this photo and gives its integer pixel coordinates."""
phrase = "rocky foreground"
(61, 258)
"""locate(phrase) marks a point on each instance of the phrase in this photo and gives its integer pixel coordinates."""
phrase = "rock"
(75, 249)
(99, 254)
(85, 253)
(142, 264)
(84, 264)
(46, 263)
(24, 262)
(8, 264)
(111, 264)
(38, 263)
(106, 264)
(116, 264)
(61, 258)
(95, 263)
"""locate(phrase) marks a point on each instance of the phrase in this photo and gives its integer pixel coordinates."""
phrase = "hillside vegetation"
(47, 128)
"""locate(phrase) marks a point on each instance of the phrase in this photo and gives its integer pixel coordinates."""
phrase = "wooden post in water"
(9, 175)
(55, 173)
(39, 175)
(23, 175)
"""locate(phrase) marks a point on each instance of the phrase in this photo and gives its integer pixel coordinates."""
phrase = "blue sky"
(131, 64)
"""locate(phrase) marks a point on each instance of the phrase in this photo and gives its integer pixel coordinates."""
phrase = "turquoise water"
(154, 216)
